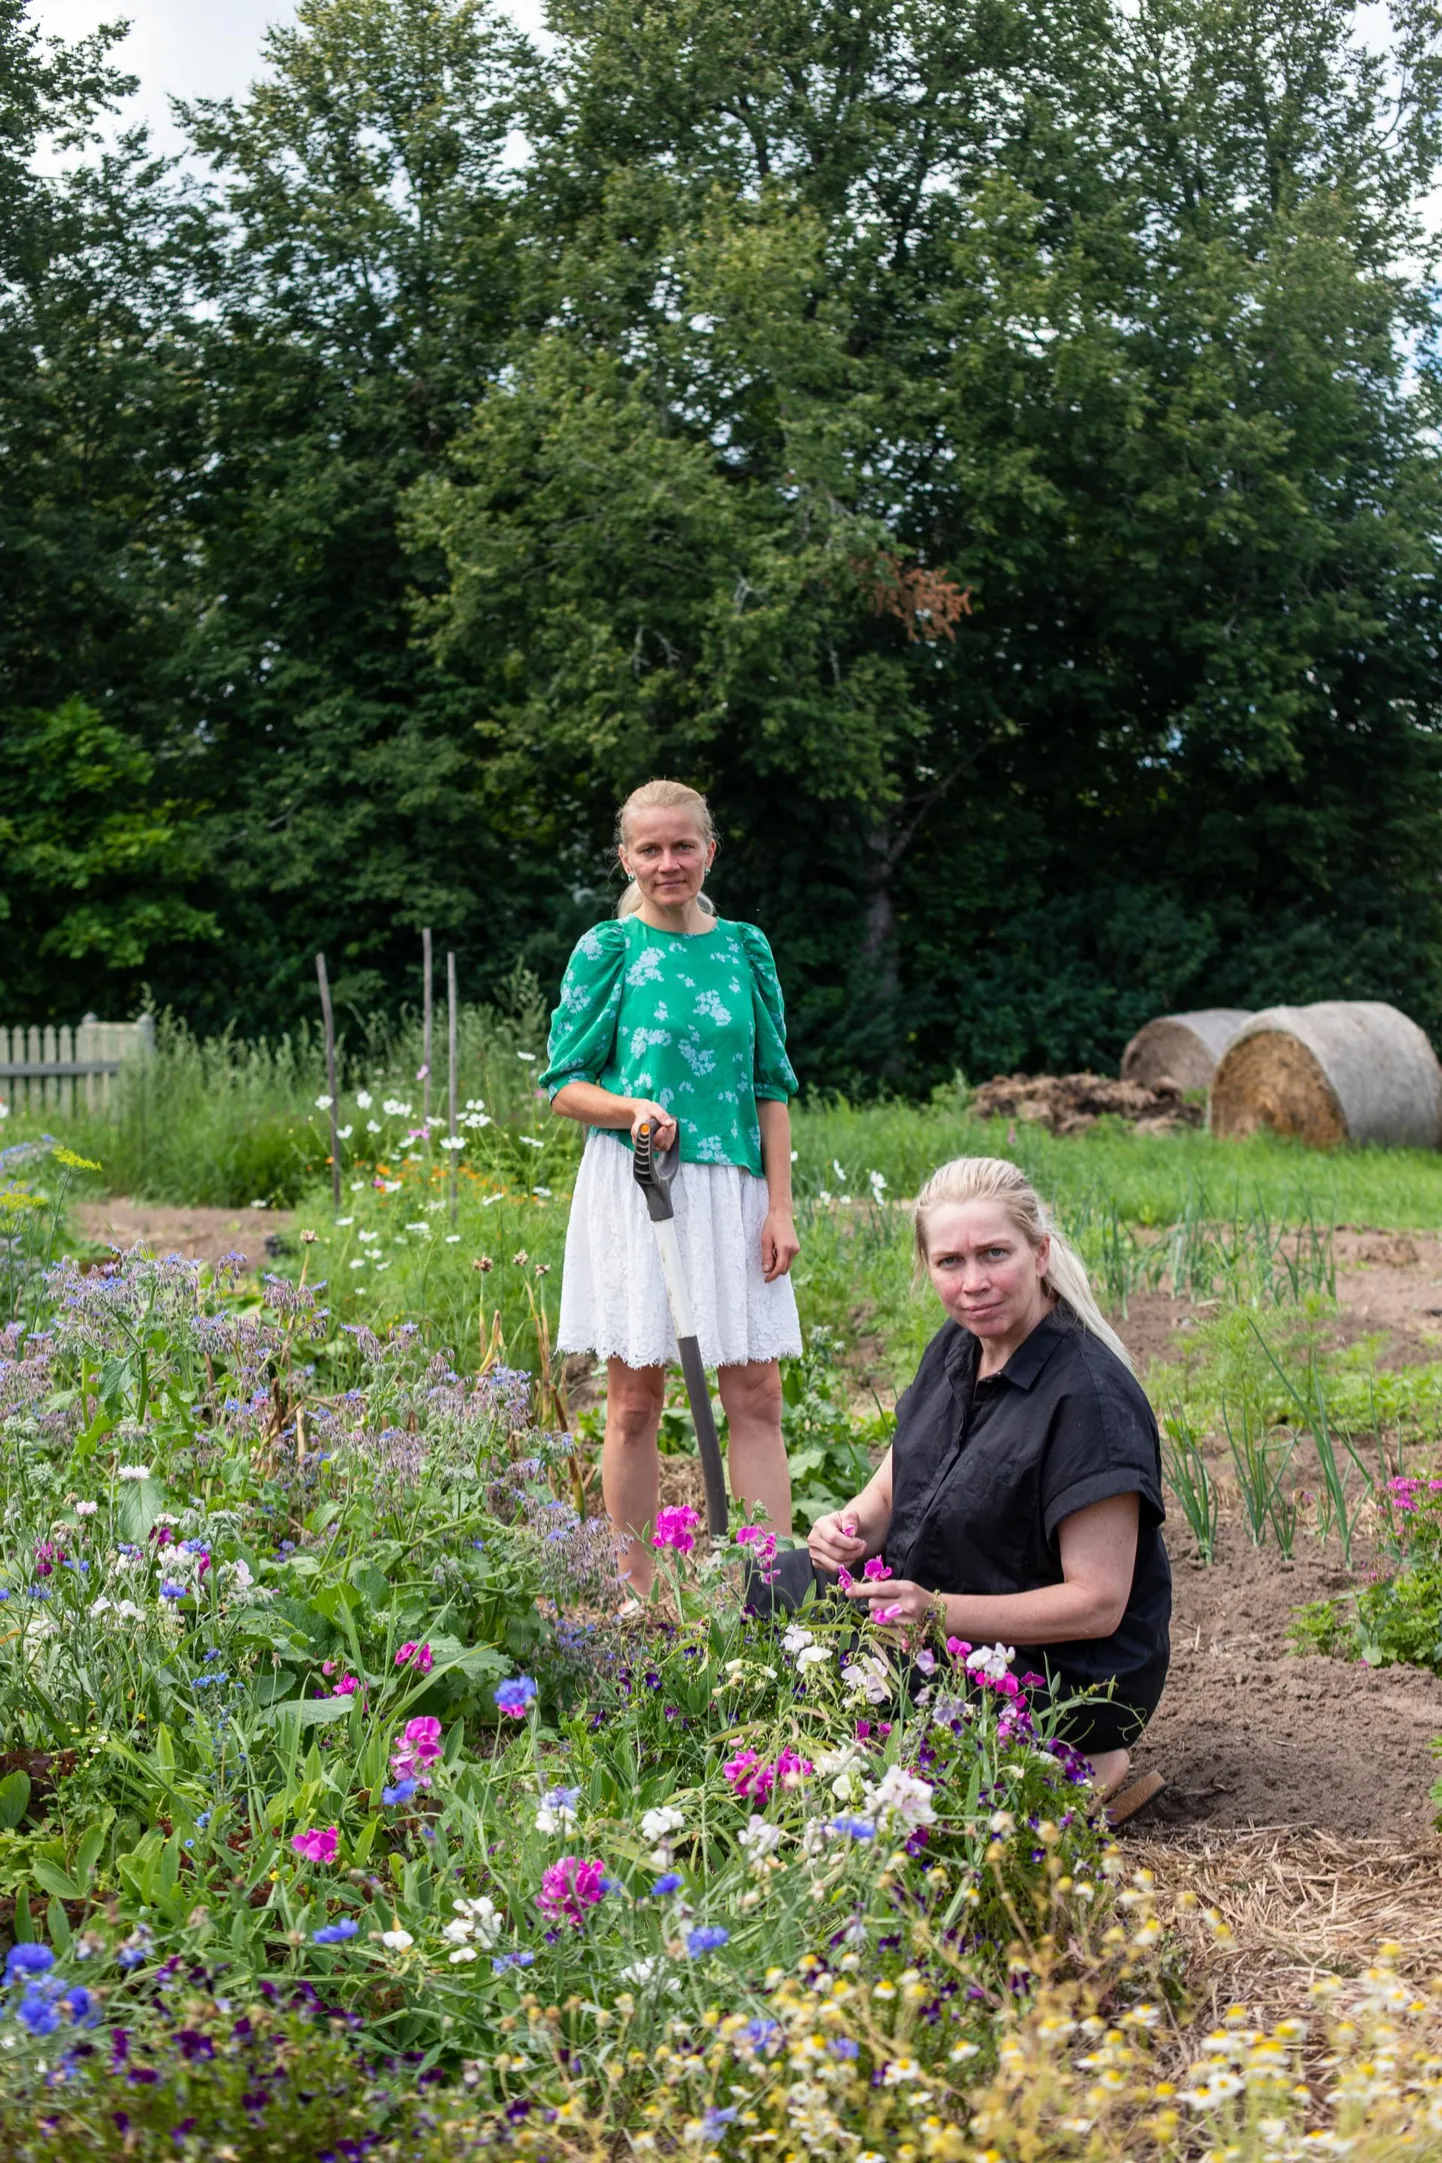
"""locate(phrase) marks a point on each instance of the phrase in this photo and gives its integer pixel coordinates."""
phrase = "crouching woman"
(1020, 1501)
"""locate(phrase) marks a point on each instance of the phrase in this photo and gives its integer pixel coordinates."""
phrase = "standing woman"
(673, 1014)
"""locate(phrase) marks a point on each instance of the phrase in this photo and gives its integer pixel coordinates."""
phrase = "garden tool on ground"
(655, 1169)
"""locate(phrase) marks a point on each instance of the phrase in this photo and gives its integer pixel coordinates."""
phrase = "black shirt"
(984, 1472)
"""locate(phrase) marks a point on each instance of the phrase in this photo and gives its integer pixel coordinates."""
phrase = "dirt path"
(202, 1234)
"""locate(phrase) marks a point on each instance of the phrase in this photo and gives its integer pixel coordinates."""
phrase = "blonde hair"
(663, 796)
(993, 1179)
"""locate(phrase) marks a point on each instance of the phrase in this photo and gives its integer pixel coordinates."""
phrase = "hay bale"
(1343, 1070)
(1183, 1048)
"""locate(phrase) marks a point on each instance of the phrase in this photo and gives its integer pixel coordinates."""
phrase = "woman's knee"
(752, 1393)
(634, 1398)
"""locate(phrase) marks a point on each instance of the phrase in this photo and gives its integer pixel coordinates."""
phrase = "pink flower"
(844, 1578)
(888, 1613)
(317, 1847)
(957, 1647)
(347, 1686)
(571, 1886)
(419, 1654)
(419, 1746)
(676, 1528)
(738, 1770)
(876, 1570)
(753, 1781)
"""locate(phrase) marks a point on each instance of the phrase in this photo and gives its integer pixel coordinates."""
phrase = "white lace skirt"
(613, 1295)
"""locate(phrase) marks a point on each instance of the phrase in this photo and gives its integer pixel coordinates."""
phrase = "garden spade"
(655, 1169)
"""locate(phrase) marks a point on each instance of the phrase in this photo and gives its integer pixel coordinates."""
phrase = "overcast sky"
(188, 48)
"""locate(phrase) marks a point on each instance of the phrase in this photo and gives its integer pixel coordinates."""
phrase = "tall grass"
(226, 1121)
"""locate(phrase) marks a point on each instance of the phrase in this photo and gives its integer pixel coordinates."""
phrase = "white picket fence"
(53, 1069)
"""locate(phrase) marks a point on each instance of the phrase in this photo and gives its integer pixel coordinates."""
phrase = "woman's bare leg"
(751, 1395)
(1109, 1769)
(630, 1465)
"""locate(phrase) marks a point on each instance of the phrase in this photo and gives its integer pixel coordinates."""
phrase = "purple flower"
(515, 1694)
(670, 1883)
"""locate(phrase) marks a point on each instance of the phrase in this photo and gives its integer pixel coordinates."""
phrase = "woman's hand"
(834, 1541)
(894, 1602)
(779, 1244)
(643, 1113)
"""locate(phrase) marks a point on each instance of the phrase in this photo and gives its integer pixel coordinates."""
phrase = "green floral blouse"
(695, 1021)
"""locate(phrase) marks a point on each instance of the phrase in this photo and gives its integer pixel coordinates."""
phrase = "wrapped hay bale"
(1183, 1048)
(1343, 1070)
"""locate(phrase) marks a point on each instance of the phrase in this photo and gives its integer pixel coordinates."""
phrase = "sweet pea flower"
(570, 1887)
(676, 1528)
(317, 1846)
(419, 1656)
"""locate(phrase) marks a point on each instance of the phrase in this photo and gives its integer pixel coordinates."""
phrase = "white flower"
(475, 1104)
(647, 1970)
(363, 1099)
(86, 1509)
(760, 1837)
(453, 1239)
(260, 1205)
(480, 1918)
(323, 1103)
(343, 1134)
(462, 1952)
(346, 1220)
(812, 1656)
(360, 1261)
(542, 1193)
(357, 1186)
(373, 1126)
(397, 1941)
(366, 1238)
(868, 1676)
(991, 1661)
(528, 1056)
(4, 1109)
(878, 1183)
(239, 1574)
(127, 1611)
(797, 1639)
(657, 1824)
(532, 1141)
(457, 1931)
(899, 1798)
(452, 1141)
(100, 1606)
(132, 1472)
(395, 1109)
(900, 2069)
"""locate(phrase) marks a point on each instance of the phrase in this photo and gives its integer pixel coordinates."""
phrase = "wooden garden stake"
(325, 1008)
(451, 1073)
(428, 1011)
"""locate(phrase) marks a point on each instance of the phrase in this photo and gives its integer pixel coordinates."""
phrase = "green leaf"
(59, 1924)
(54, 1879)
(311, 1711)
(14, 1799)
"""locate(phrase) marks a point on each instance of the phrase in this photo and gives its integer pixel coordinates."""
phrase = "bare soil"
(203, 1235)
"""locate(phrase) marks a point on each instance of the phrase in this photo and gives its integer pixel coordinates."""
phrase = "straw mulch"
(1298, 1905)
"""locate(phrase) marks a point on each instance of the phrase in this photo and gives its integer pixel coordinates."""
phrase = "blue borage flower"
(515, 1694)
(501, 1961)
(709, 1939)
(854, 1828)
(28, 1960)
(400, 1793)
(669, 1882)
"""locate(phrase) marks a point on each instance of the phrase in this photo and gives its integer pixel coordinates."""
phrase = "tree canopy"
(990, 448)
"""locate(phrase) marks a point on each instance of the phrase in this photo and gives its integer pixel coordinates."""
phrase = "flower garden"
(346, 1811)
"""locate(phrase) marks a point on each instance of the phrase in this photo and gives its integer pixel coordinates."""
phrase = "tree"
(1098, 313)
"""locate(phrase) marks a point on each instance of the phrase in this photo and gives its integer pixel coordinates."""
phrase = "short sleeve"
(1104, 1443)
(775, 1077)
(583, 1027)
